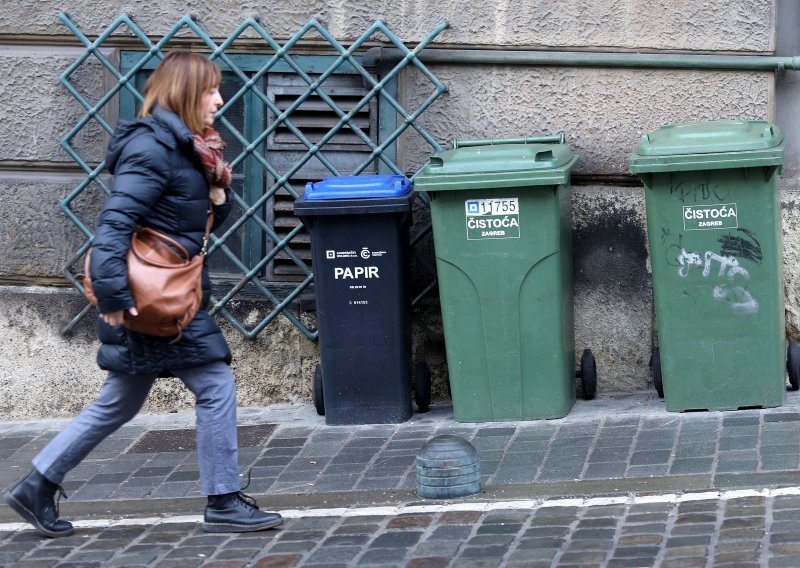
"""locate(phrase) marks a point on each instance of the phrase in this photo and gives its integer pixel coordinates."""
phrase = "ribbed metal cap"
(448, 467)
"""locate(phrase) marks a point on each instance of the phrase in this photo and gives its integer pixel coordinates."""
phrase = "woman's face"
(209, 106)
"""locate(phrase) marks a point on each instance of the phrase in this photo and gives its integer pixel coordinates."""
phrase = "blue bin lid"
(358, 187)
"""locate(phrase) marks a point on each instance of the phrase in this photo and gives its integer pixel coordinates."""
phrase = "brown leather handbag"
(166, 284)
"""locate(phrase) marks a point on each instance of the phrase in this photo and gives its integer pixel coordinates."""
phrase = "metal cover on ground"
(185, 440)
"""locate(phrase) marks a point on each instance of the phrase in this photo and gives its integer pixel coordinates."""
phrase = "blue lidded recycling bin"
(359, 228)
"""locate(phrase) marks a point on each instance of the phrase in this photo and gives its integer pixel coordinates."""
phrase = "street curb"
(149, 507)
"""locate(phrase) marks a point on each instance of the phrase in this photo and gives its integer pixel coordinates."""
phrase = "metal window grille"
(287, 119)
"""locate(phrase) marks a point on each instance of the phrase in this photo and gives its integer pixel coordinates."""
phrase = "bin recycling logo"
(492, 218)
(706, 217)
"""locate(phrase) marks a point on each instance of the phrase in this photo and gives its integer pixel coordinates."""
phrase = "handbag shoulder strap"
(207, 235)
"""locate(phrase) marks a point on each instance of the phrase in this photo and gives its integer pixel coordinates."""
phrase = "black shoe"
(33, 499)
(237, 512)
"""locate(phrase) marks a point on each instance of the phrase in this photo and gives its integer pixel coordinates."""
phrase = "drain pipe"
(377, 55)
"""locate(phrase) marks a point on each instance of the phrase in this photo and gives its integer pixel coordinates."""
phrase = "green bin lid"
(709, 145)
(495, 165)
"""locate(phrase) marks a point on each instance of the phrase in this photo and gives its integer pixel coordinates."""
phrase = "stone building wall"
(602, 111)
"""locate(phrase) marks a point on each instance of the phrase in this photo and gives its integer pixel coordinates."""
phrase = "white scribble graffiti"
(738, 297)
(727, 264)
(686, 260)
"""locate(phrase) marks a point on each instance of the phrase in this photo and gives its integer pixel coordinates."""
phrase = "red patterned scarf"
(209, 149)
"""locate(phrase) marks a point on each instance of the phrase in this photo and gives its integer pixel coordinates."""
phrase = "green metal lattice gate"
(288, 118)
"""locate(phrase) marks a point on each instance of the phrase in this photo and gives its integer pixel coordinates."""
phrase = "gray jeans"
(121, 398)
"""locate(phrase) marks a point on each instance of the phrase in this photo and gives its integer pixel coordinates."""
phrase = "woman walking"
(167, 167)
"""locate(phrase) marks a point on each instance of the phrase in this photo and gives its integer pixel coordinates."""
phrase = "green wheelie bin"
(714, 230)
(500, 211)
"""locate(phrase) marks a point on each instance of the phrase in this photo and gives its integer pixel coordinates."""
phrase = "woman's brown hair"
(178, 85)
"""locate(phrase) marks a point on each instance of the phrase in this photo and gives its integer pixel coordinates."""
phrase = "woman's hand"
(217, 195)
(116, 318)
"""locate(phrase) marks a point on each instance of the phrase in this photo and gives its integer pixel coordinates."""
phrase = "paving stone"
(650, 457)
(583, 558)
(737, 546)
(742, 522)
(349, 526)
(784, 561)
(593, 523)
(243, 554)
(512, 475)
(785, 549)
(541, 543)
(493, 552)
(383, 556)
(578, 544)
(333, 554)
(644, 443)
(593, 534)
(634, 518)
(609, 454)
(492, 539)
(297, 546)
(684, 551)
(428, 562)
(782, 417)
(90, 557)
(605, 470)
(395, 539)
(736, 558)
(656, 470)
(694, 529)
(33, 563)
(50, 552)
(637, 540)
(545, 531)
(279, 561)
(786, 514)
(645, 528)
(684, 563)
(451, 532)
(629, 562)
(727, 443)
(614, 442)
(639, 551)
(780, 462)
(736, 463)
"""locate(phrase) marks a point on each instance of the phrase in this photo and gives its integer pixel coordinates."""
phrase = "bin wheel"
(588, 374)
(793, 364)
(655, 369)
(422, 386)
(316, 391)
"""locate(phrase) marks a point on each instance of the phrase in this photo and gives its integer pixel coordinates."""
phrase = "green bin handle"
(552, 139)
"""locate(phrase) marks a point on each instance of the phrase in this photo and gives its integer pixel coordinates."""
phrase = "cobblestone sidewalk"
(618, 482)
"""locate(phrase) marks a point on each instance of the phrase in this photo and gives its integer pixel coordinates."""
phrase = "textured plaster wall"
(790, 220)
(602, 111)
(39, 111)
(45, 374)
(613, 298)
(36, 240)
(715, 25)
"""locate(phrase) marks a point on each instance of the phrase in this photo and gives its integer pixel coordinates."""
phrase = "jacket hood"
(166, 126)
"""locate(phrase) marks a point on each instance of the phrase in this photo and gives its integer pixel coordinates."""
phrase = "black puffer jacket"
(158, 182)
